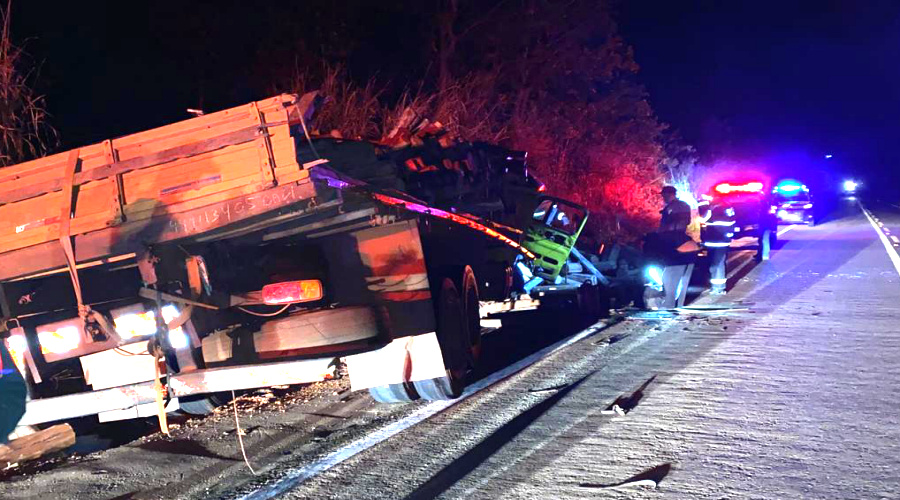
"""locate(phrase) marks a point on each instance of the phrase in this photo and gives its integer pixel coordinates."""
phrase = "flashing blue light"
(828, 157)
(850, 186)
(790, 188)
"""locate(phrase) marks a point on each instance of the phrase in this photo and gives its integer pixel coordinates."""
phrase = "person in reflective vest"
(12, 394)
(716, 232)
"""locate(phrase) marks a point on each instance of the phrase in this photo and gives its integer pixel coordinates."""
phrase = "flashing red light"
(750, 187)
(542, 188)
(291, 292)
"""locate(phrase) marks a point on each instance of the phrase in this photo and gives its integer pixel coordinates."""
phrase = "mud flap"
(406, 359)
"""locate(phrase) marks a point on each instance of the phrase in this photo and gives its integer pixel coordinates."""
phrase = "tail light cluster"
(292, 292)
(65, 339)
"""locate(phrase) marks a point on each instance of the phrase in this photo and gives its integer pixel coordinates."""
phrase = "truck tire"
(589, 302)
(393, 393)
(472, 313)
(456, 348)
(202, 405)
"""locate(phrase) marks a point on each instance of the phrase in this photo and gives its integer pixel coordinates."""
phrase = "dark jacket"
(717, 229)
(676, 216)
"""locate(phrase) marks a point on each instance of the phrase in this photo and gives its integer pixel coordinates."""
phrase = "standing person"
(667, 247)
(716, 232)
(676, 214)
(768, 229)
(12, 394)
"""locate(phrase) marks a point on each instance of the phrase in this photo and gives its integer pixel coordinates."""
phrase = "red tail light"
(290, 292)
(750, 187)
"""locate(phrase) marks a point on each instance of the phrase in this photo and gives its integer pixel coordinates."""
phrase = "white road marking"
(892, 254)
(896, 240)
(792, 226)
(299, 475)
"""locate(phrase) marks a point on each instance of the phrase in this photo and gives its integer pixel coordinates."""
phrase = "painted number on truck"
(223, 213)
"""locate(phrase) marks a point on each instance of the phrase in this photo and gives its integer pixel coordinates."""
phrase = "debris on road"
(36, 445)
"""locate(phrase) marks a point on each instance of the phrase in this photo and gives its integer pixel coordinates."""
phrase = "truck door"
(552, 232)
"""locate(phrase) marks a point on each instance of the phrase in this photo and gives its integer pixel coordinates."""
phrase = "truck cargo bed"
(164, 184)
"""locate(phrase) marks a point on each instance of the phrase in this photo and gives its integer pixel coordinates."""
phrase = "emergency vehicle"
(753, 213)
(792, 203)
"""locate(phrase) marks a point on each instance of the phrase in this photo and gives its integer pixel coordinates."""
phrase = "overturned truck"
(148, 273)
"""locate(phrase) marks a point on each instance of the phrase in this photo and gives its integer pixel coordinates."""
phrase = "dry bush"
(467, 108)
(353, 111)
(606, 154)
(24, 132)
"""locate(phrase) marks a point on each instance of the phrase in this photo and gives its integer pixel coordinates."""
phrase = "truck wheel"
(589, 302)
(202, 405)
(394, 393)
(470, 298)
(456, 350)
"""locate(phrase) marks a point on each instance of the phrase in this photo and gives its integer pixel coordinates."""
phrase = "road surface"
(788, 387)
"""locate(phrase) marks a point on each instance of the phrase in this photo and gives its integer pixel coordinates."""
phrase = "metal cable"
(265, 315)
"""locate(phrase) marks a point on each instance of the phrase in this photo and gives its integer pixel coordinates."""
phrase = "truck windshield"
(559, 216)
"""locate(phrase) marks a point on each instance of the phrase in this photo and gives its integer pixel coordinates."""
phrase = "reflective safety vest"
(717, 224)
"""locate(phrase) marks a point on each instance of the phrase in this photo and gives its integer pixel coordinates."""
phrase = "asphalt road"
(791, 394)
(785, 388)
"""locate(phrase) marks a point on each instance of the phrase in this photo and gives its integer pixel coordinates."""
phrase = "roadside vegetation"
(555, 79)
(24, 131)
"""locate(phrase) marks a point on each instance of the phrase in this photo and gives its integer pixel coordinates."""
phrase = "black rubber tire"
(202, 405)
(471, 306)
(394, 393)
(455, 347)
(589, 302)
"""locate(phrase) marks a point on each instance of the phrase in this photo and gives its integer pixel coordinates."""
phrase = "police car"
(792, 203)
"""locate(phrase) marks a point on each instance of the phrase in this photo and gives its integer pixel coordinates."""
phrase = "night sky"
(782, 82)
(791, 80)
